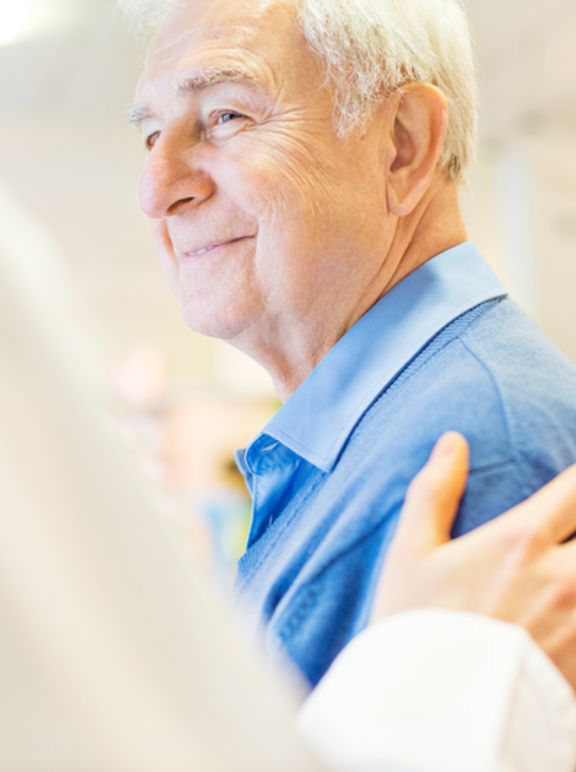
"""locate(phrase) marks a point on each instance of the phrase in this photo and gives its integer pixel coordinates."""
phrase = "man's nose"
(172, 180)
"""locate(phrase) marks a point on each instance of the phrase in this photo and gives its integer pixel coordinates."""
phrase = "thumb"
(433, 498)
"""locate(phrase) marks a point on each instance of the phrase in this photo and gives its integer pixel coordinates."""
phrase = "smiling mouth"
(214, 247)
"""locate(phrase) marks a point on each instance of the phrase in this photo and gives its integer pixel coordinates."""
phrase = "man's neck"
(437, 227)
(434, 226)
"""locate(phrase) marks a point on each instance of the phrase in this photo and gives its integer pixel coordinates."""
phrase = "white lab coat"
(442, 691)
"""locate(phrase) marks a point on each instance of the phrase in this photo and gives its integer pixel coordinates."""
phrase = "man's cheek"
(260, 182)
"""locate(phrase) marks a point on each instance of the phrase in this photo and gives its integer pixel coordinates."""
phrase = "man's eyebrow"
(210, 76)
(214, 75)
(137, 114)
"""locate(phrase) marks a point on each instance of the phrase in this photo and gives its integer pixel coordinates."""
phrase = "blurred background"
(69, 168)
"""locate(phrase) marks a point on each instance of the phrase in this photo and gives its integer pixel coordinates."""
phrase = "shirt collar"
(317, 420)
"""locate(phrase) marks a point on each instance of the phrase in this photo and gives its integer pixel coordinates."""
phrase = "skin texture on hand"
(516, 568)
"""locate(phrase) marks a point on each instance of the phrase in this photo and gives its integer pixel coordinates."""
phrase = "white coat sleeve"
(442, 691)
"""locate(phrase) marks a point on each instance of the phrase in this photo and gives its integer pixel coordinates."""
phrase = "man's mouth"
(200, 251)
(191, 254)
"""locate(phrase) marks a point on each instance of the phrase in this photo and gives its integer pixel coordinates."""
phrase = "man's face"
(261, 214)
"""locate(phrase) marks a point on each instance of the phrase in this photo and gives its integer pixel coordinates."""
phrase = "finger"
(552, 510)
(433, 497)
(558, 567)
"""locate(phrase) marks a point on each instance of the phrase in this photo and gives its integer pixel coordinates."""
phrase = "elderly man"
(301, 184)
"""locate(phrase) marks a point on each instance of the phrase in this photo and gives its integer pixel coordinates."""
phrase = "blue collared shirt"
(444, 349)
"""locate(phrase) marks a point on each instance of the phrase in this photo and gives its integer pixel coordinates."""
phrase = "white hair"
(145, 13)
(370, 48)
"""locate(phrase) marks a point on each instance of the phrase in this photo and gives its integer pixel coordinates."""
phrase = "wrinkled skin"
(305, 231)
(309, 229)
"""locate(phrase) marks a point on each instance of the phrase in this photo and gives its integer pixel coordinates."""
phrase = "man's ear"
(419, 131)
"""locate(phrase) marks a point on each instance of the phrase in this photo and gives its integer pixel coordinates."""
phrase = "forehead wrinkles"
(169, 52)
(241, 29)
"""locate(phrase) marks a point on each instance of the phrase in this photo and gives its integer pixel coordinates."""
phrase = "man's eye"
(227, 117)
(152, 140)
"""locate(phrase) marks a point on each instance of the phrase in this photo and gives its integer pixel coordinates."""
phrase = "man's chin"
(215, 322)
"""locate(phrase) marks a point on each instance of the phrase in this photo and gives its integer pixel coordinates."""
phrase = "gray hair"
(371, 48)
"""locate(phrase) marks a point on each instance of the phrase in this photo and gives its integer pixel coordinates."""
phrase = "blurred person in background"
(301, 185)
